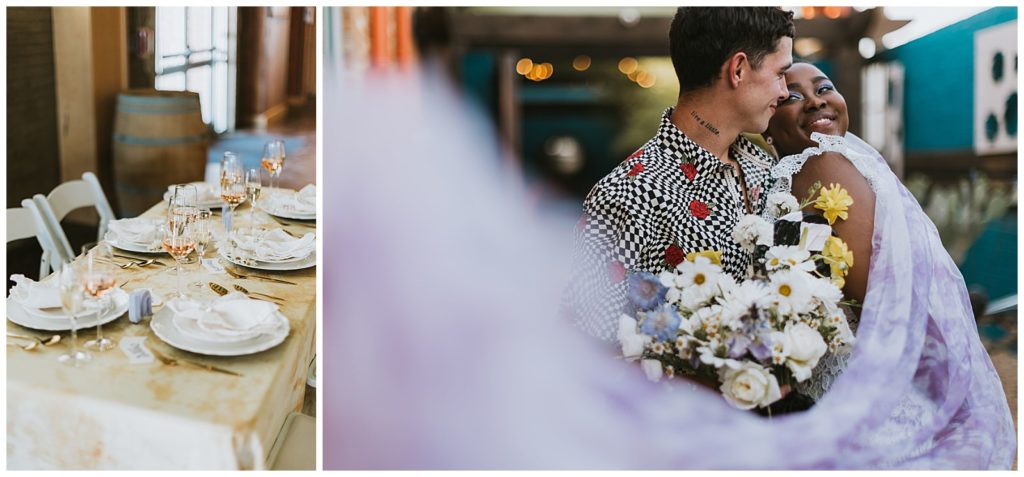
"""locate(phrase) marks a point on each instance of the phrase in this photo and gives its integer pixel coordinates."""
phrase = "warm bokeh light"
(547, 71)
(581, 63)
(524, 65)
(628, 65)
(633, 75)
(832, 12)
(808, 12)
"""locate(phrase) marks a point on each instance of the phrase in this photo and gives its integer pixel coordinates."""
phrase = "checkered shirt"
(668, 198)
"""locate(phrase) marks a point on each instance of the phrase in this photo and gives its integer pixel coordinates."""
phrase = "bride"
(900, 271)
(447, 350)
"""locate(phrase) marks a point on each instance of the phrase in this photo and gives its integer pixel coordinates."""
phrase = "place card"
(213, 265)
(137, 353)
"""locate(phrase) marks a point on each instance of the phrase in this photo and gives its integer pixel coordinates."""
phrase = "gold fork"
(176, 361)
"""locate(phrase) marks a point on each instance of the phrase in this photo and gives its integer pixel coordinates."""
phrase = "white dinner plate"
(296, 264)
(132, 247)
(287, 214)
(164, 328)
(58, 321)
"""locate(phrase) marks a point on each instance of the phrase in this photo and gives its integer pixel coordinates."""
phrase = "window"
(195, 52)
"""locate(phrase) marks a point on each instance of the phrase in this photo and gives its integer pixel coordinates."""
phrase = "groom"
(686, 188)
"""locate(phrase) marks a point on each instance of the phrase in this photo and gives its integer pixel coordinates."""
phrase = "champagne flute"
(178, 241)
(72, 297)
(273, 159)
(232, 185)
(97, 276)
(202, 232)
(253, 184)
(183, 200)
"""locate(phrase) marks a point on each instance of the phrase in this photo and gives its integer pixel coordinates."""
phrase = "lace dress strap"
(783, 172)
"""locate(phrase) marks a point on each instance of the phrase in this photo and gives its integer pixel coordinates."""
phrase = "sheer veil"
(444, 348)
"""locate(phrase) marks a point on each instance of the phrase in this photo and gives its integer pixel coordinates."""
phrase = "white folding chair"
(295, 446)
(69, 196)
(26, 221)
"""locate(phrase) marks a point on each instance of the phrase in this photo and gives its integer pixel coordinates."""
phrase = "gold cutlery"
(247, 292)
(242, 275)
(176, 361)
(142, 262)
(224, 291)
(27, 347)
(52, 341)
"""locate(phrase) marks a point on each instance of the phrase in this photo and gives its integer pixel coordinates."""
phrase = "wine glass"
(72, 298)
(178, 241)
(97, 276)
(202, 232)
(273, 159)
(183, 200)
(253, 184)
(232, 185)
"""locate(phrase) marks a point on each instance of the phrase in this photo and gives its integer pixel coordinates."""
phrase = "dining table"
(184, 411)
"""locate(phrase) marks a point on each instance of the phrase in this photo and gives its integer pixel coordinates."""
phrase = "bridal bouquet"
(753, 336)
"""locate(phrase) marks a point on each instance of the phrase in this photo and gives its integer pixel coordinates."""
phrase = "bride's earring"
(769, 140)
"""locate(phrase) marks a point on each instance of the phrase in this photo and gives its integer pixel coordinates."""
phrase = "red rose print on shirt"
(699, 209)
(582, 222)
(636, 154)
(637, 169)
(689, 170)
(616, 271)
(674, 255)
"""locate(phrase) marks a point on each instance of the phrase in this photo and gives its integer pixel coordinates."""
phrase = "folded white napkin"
(205, 192)
(30, 293)
(302, 202)
(138, 231)
(232, 316)
(275, 245)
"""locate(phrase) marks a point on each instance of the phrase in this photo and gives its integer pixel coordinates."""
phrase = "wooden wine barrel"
(159, 139)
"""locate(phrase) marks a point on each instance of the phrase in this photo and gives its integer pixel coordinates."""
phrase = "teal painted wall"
(939, 83)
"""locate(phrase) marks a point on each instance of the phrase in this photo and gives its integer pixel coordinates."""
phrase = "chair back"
(27, 221)
(69, 196)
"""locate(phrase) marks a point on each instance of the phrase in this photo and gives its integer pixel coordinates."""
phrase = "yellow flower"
(834, 201)
(714, 255)
(839, 258)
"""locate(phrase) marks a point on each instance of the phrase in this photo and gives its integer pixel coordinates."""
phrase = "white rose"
(749, 386)
(652, 368)
(806, 347)
(780, 203)
(751, 231)
(627, 326)
(633, 346)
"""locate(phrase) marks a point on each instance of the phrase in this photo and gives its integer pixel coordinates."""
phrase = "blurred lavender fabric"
(444, 348)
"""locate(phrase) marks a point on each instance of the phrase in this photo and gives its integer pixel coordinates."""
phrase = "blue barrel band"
(150, 141)
(157, 100)
(158, 111)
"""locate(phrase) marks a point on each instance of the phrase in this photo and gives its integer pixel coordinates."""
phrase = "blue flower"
(661, 323)
(645, 291)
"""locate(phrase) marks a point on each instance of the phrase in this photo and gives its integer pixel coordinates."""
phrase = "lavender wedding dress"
(444, 348)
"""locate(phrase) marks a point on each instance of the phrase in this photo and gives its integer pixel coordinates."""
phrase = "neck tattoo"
(702, 122)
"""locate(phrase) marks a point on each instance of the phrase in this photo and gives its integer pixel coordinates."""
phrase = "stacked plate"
(274, 250)
(113, 304)
(139, 235)
(299, 205)
(193, 327)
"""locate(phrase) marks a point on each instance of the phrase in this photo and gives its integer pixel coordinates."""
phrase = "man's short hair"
(701, 39)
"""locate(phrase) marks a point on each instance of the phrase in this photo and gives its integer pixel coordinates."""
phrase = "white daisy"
(790, 292)
(738, 301)
(788, 256)
(700, 273)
